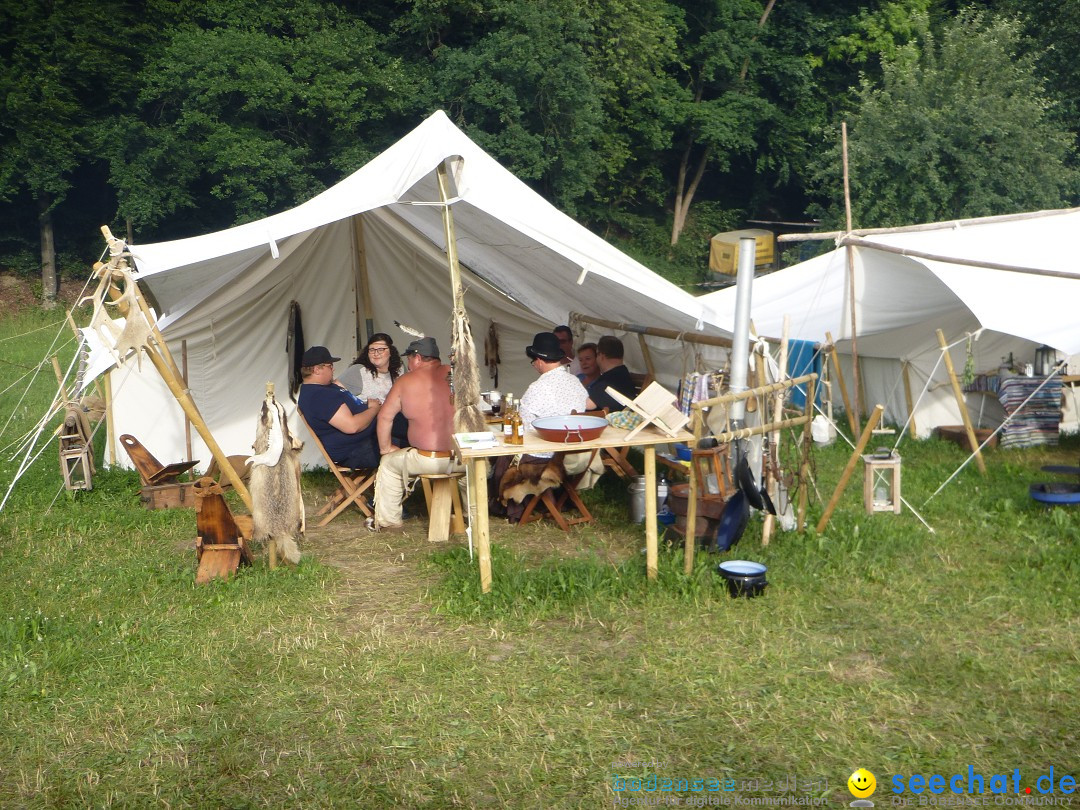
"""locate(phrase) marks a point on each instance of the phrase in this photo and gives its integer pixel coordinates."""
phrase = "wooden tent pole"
(959, 394)
(851, 286)
(648, 357)
(921, 254)
(906, 368)
(365, 284)
(871, 423)
(840, 382)
(690, 535)
(655, 331)
(183, 398)
(804, 462)
(158, 352)
(466, 382)
(187, 422)
(767, 480)
(924, 226)
(110, 430)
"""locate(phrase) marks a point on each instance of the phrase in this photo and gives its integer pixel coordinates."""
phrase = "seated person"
(374, 369)
(566, 343)
(343, 424)
(371, 375)
(423, 399)
(613, 372)
(556, 392)
(590, 371)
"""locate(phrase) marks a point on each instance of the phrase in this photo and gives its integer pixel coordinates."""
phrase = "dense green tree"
(255, 107)
(59, 68)
(959, 126)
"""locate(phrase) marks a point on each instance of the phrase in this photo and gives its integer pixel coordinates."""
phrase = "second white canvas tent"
(901, 300)
(226, 296)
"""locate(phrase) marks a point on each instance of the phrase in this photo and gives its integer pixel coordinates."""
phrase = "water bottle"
(661, 494)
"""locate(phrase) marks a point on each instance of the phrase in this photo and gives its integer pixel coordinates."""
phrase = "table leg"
(478, 500)
(650, 512)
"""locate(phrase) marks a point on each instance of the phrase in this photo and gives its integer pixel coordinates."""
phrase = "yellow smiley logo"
(862, 784)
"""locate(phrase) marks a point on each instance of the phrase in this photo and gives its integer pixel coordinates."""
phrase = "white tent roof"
(901, 300)
(506, 234)
(526, 266)
(901, 297)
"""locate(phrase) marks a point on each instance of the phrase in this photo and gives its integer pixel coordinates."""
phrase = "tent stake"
(959, 394)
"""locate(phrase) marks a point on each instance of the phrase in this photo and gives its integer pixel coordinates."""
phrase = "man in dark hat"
(423, 397)
(343, 424)
(557, 392)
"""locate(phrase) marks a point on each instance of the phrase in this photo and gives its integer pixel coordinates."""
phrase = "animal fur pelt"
(277, 506)
(491, 352)
(467, 415)
(519, 481)
(294, 348)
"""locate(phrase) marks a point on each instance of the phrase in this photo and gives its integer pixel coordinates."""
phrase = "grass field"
(376, 675)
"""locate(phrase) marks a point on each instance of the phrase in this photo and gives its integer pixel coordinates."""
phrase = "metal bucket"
(637, 499)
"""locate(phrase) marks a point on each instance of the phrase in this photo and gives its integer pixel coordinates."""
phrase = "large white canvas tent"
(373, 247)
(901, 300)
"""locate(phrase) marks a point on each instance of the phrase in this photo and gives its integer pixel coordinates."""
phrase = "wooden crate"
(180, 495)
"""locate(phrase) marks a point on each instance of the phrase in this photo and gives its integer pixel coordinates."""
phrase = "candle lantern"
(881, 481)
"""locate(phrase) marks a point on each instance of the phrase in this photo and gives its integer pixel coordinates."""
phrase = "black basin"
(744, 578)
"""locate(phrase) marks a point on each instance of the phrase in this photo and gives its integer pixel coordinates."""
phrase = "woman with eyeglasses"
(374, 369)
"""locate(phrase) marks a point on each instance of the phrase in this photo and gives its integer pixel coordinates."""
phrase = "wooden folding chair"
(614, 458)
(352, 483)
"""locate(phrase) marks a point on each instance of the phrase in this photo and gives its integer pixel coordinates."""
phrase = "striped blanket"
(1035, 422)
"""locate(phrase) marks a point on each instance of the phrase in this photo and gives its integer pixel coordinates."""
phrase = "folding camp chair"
(352, 483)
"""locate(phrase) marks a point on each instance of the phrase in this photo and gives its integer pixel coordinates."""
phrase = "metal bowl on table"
(569, 429)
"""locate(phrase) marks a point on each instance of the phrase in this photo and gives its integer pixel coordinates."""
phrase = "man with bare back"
(423, 397)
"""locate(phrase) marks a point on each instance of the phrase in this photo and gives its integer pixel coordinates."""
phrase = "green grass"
(877, 644)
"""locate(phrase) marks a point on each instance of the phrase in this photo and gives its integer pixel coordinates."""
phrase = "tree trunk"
(683, 198)
(49, 282)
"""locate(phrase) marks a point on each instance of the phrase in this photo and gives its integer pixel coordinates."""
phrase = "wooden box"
(957, 435)
(180, 495)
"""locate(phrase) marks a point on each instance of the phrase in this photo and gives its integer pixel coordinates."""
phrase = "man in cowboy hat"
(344, 425)
(557, 392)
(423, 397)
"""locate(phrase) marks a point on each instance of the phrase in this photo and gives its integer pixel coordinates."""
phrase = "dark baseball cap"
(316, 356)
(425, 347)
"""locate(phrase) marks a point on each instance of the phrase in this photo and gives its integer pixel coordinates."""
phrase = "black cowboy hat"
(545, 346)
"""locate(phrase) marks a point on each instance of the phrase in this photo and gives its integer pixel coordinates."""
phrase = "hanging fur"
(491, 353)
(468, 418)
(294, 348)
(277, 505)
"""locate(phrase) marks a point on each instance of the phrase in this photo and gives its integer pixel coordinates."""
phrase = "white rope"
(1000, 427)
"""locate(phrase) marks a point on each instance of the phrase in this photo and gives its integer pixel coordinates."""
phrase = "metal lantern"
(1045, 360)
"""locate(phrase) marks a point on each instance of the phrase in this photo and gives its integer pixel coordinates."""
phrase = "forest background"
(655, 122)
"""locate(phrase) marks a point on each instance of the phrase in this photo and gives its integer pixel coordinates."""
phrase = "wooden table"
(477, 461)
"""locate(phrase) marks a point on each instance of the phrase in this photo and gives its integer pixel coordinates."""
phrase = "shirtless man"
(423, 397)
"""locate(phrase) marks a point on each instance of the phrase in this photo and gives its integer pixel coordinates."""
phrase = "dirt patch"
(18, 294)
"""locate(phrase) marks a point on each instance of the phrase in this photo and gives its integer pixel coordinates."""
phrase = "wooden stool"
(445, 515)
